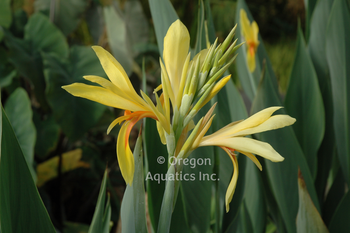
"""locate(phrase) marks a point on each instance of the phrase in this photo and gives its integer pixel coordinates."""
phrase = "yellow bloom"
(119, 93)
(176, 60)
(250, 33)
(232, 138)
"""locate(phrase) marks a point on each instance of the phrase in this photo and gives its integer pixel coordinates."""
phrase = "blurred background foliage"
(45, 44)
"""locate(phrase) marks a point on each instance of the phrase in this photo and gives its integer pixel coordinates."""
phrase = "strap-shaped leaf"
(21, 208)
(304, 102)
(283, 175)
(102, 215)
(338, 57)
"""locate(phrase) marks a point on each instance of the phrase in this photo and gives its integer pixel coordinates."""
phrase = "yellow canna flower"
(119, 93)
(250, 33)
(232, 138)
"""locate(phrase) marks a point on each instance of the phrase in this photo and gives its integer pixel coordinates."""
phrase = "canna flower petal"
(250, 33)
(253, 121)
(231, 138)
(232, 186)
(116, 73)
(103, 96)
(176, 46)
(274, 122)
(124, 154)
(246, 145)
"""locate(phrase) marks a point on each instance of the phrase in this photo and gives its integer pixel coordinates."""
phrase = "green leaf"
(254, 197)
(283, 176)
(310, 6)
(118, 38)
(21, 208)
(334, 196)
(25, 54)
(19, 113)
(242, 222)
(139, 189)
(317, 51)
(66, 14)
(338, 57)
(38, 24)
(5, 13)
(153, 149)
(48, 132)
(304, 102)
(168, 202)
(230, 108)
(340, 222)
(70, 112)
(163, 15)
(308, 218)
(133, 209)
(102, 214)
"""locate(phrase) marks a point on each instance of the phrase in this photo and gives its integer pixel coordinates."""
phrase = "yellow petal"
(249, 145)
(102, 96)
(250, 122)
(161, 133)
(252, 158)
(245, 24)
(116, 73)
(251, 61)
(116, 121)
(176, 46)
(163, 121)
(255, 31)
(274, 122)
(124, 155)
(110, 86)
(232, 186)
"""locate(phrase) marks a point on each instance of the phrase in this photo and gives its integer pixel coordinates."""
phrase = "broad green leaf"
(19, 113)
(102, 215)
(117, 38)
(317, 51)
(5, 14)
(250, 81)
(283, 175)
(340, 222)
(338, 57)
(70, 112)
(304, 102)
(163, 15)
(308, 218)
(66, 14)
(48, 132)
(38, 24)
(155, 188)
(73, 227)
(25, 54)
(21, 208)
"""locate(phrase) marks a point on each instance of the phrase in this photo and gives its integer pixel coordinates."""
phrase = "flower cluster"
(187, 85)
